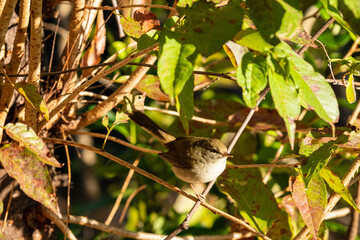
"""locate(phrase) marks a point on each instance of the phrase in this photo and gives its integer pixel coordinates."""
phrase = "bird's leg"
(200, 196)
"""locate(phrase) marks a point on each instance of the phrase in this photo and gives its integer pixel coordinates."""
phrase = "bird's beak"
(227, 155)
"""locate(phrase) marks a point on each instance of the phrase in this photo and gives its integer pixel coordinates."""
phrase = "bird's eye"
(213, 151)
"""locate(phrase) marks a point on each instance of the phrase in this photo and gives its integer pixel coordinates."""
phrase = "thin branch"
(121, 194)
(354, 224)
(58, 222)
(8, 206)
(158, 180)
(84, 221)
(128, 201)
(109, 8)
(34, 60)
(263, 165)
(117, 140)
(273, 162)
(321, 30)
(88, 82)
(117, 96)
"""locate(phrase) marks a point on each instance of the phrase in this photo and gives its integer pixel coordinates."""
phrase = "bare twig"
(354, 225)
(121, 194)
(58, 222)
(85, 84)
(128, 201)
(273, 162)
(158, 180)
(8, 206)
(263, 165)
(114, 139)
(317, 34)
(84, 221)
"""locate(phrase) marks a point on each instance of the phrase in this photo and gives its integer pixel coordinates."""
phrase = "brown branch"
(122, 191)
(317, 34)
(84, 221)
(158, 180)
(8, 206)
(58, 222)
(117, 96)
(34, 60)
(5, 18)
(263, 165)
(273, 162)
(354, 224)
(114, 139)
(86, 83)
(17, 54)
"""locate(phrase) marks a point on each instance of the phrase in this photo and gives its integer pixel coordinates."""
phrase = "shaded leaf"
(336, 184)
(280, 230)
(310, 201)
(302, 37)
(25, 135)
(350, 89)
(245, 187)
(204, 25)
(30, 93)
(276, 18)
(331, 8)
(148, 39)
(105, 121)
(351, 12)
(185, 103)
(251, 77)
(175, 64)
(31, 174)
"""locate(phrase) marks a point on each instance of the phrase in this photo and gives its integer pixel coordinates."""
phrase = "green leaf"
(105, 121)
(208, 27)
(314, 91)
(351, 12)
(252, 39)
(350, 89)
(131, 27)
(29, 92)
(245, 187)
(281, 229)
(317, 161)
(279, 19)
(25, 135)
(175, 64)
(251, 77)
(331, 8)
(335, 183)
(284, 94)
(150, 85)
(310, 201)
(185, 103)
(31, 174)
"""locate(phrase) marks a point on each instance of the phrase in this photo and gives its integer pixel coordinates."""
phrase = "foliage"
(208, 62)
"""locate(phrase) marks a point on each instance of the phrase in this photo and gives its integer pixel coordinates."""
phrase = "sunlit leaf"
(131, 27)
(30, 93)
(235, 52)
(335, 183)
(105, 121)
(150, 85)
(25, 135)
(252, 39)
(310, 201)
(31, 174)
(350, 89)
(351, 12)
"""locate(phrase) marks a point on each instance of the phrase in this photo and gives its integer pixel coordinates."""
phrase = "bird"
(193, 159)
